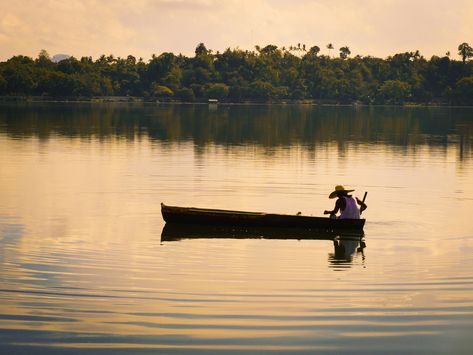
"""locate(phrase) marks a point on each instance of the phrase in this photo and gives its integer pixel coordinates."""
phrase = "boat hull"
(215, 217)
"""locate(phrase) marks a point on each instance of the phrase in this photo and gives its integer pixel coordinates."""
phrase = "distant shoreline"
(136, 99)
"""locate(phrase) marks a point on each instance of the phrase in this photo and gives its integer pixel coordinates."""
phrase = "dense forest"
(267, 74)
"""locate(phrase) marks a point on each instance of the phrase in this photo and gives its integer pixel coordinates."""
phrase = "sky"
(144, 27)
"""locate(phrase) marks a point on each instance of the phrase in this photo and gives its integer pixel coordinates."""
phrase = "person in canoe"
(346, 204)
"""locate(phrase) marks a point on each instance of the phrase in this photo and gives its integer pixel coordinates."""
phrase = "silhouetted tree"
(314, 51)
(344, 52)
(465, 51)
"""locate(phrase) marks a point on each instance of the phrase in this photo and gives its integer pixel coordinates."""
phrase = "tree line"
(266, 74)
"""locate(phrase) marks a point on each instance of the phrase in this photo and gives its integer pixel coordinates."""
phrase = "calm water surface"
(84, 269)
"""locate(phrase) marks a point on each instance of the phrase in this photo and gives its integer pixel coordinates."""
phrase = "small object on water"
(299, 213)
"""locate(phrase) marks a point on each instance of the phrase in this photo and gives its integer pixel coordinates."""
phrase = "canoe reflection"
(175, 232)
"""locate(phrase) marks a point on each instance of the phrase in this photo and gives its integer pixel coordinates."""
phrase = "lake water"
(84, 269)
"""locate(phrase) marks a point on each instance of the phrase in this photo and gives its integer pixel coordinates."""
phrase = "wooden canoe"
(215, 217)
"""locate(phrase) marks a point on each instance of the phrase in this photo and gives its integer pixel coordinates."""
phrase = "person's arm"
(338, 206)
(363, 205)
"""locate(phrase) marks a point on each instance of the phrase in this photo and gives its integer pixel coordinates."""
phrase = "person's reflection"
(345, 249)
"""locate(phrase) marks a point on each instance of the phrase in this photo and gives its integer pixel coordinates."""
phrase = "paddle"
(363, 201)
(362, 243)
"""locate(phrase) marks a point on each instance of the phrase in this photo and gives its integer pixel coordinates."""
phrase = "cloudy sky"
(143, 27)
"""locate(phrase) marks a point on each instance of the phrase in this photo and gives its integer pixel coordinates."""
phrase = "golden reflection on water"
(112, 187)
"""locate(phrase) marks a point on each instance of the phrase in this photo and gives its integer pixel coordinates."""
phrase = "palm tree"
(330, 47)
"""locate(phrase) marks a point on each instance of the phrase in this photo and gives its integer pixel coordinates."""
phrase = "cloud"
(144, 27)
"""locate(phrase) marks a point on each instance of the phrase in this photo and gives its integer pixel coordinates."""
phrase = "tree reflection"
(267, 126)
